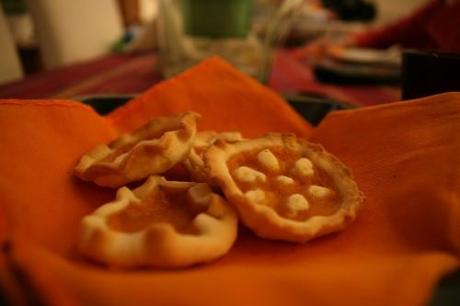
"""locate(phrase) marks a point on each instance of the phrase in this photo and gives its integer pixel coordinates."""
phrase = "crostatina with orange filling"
(285, 188)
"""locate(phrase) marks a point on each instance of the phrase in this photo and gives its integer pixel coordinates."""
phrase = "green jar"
(216, 18)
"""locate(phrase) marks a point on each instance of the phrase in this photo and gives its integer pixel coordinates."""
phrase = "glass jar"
(192, 30)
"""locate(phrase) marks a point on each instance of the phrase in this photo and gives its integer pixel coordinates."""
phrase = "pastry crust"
(202, 141)
(211, 232)
(264, 220)
(152, 149)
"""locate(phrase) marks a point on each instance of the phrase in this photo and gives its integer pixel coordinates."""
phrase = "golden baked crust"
(285, 188)
(153, 240)
(202, 141)
(152, 149)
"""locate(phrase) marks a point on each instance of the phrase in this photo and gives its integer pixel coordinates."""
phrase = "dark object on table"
(104, 104)
(352, 9)
(336, 72)
(314, 107)
(425, 73)
(30, 59)
(447, 292)
(347, 65)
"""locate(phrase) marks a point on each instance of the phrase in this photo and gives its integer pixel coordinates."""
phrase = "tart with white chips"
(202, 141)
(160, 224)
(152, 149)
(284, 187)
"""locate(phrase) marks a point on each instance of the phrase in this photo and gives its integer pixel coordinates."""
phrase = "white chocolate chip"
(268, 160)
(249, 175)
(200, 193)
(296, 203)
(284, 180)
(120, 158)
(318, 191)
(304, 167)
(255, 196)
(200, 143)
(230, 136)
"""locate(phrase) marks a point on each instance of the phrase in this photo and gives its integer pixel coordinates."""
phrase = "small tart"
(152, 149)
(283, 187)
(160, 224)
(202, 141)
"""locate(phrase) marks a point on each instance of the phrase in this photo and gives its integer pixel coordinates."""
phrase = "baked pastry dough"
(160, 224)
(284, 187)
(152, 149)
(202, 141)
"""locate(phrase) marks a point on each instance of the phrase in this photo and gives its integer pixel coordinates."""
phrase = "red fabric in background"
(113, 74)
(436, 25)
(445, 28)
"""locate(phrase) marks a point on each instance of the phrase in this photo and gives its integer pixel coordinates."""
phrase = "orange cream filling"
(160, 207)
(276, 193)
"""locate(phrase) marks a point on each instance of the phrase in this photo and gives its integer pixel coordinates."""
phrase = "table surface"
(134, 73)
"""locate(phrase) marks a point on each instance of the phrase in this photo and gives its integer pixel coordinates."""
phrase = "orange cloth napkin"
(227, 99)
(404, 157)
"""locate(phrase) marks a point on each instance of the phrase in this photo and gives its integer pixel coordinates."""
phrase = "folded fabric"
(404, 157)
(227, 99)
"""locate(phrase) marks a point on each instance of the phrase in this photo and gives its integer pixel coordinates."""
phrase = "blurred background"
(65, 48)
(47, 34)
